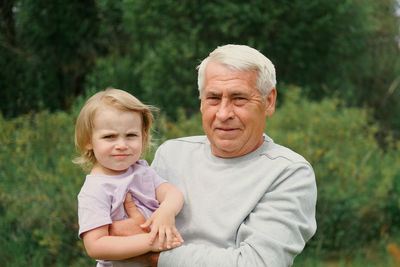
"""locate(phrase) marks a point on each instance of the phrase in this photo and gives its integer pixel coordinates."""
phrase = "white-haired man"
(248, 201)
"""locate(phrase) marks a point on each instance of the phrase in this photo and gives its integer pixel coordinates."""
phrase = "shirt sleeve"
(157, 180)
(94, 208)
(271, 235)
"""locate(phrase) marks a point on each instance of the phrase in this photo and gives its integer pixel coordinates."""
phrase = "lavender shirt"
(101, 199)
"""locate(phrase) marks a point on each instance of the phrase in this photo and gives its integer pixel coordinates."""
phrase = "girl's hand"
(157, 246)
(163, 224)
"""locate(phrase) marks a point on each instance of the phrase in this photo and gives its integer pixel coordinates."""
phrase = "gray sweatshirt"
(253, 210)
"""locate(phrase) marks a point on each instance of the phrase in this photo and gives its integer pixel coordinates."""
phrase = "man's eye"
(213, 99)
(240, 100)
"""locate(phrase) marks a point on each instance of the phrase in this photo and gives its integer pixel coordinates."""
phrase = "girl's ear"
(89, 146)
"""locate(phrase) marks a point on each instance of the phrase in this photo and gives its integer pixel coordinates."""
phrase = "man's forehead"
(228, 91)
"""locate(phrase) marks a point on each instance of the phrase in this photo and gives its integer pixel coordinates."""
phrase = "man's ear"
(270, 102)
(201, 106)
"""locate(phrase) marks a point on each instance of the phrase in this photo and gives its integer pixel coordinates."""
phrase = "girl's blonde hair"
(110, 97)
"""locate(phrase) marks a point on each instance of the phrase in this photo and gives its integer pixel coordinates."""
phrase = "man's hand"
(130, 226)
(150, 258)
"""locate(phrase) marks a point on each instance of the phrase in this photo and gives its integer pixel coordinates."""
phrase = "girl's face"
(116, 140)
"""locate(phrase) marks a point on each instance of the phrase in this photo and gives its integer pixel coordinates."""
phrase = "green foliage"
(52, 51)
(358, 188)
(343, 48)
(183, 126)
(115, 71)
(371, 256)
(358, 181)
(50, 47)
(38, 188)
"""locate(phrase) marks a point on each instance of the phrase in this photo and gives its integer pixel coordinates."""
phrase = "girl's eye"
(131, 135)
(108, 136)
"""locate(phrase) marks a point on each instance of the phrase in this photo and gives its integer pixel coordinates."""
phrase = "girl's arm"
(99, 245)
(163, 219)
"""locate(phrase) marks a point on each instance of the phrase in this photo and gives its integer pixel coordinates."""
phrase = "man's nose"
(225, 110)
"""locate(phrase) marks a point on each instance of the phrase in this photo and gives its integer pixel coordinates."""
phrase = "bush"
(38, 188)
(358, 182)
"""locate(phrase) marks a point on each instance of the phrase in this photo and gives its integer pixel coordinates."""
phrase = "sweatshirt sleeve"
(271, 235)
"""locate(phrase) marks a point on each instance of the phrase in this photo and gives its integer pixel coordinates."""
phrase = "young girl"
(112, 130)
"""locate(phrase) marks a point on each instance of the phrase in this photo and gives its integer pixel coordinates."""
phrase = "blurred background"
(338, 71)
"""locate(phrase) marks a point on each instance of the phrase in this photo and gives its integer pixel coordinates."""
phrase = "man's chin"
(225, 148)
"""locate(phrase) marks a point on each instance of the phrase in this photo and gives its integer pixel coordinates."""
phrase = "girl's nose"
(121, 144)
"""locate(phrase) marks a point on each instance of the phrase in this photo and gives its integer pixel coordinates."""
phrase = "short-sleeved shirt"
(101, 199)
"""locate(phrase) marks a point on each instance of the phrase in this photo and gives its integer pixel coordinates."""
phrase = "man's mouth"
(226, 130)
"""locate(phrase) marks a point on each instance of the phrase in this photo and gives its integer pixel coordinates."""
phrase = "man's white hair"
(241, 57)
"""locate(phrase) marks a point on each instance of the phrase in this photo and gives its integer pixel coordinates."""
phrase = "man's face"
(233, 110)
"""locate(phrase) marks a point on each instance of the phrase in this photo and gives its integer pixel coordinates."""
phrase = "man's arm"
(271, 235)
(131, 226)
(150, 259)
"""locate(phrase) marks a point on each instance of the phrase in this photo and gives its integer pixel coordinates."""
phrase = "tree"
(48, 49)
(344, 48)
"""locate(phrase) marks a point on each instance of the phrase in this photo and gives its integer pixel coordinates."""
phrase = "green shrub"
(358, 181)
(38, 188)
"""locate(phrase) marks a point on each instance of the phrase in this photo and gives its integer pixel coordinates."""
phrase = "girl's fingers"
(177, 234)
(153, 235)
(161, 237)
(176, 244)
(169, 236)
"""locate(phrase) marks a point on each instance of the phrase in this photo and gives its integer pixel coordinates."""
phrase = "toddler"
(111, 133)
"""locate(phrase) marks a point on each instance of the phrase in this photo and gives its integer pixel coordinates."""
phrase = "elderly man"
(248, 201)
